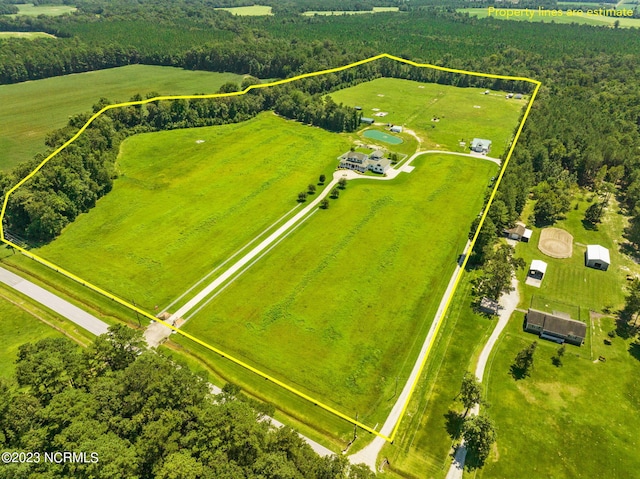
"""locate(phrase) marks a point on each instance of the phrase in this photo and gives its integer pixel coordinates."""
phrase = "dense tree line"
(143, 416)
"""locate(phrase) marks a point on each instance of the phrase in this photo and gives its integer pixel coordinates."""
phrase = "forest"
(137, 414)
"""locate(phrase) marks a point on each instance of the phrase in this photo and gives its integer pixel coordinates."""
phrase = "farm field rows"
(463, 113)
(32, 109)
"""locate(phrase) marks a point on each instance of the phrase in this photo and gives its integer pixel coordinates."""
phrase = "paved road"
(53, 302)
(96, 326)
(508, 303)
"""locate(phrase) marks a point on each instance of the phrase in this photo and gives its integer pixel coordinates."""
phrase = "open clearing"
(29, 35)
(415, 105)
(331, 309)
(32, 109)
(18, 327)
(340, 308)
(598, 20)
(593, 404)
(252, 11)
(32, 10)
(311, 13)
(180, 207)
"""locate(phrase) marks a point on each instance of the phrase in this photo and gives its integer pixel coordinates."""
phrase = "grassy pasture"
(568, 280)
(414, 105)
(584, 18)
(28, 35)
(179, 207)
(578, 420)
(335, 314)
(20, 326)
(311, 13)
(32, 10)
(32, 109)
(252, 11)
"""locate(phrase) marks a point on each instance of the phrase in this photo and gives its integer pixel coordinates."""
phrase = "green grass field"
(568, 280)
(311, 13)
(28, 35)
(463, 113)
(563, 17)
(19, 326)
(334, 312)
(578, 420)
(32, 109)
(252, 11)
(180, 207)
(50, 10)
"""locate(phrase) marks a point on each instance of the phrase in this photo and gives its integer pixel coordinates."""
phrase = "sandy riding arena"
(556, 243)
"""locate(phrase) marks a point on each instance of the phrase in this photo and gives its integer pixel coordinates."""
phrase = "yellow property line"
(246, 90)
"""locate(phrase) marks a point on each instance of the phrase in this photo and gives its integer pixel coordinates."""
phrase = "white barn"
(597, 257)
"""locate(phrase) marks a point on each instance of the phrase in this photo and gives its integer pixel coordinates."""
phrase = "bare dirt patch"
(556, 243)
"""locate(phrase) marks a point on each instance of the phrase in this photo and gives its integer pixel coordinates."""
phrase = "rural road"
(300, 216)
(97, 327)
(508, 303)
(53, 302)
(369, 454)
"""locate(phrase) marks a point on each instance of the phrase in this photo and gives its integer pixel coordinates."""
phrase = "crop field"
(32, 10)
(180, 207)
(32, 109)
(564, 18)
(331, 309)
(252, 11)
(462, 113)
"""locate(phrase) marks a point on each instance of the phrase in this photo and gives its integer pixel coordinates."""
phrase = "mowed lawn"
(575, 421)
(340, 308)
(30, 110)
(179, 207)
(568, 280)
(29, 35)
(463, 113)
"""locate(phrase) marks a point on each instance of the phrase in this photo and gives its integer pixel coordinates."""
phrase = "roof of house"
(595, 252)
(519, 230)
(356, 157)
(366, 119)
(537, 265)
(527, 233)
(557, 324)
(376, 154)
(479, 142)
(382, 163)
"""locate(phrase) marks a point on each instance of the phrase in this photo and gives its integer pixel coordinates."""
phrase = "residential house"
(557, 327)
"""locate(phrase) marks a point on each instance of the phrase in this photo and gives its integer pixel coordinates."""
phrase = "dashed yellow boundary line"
(238, 93)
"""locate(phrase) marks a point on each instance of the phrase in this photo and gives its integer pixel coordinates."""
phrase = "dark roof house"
(555, 327)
